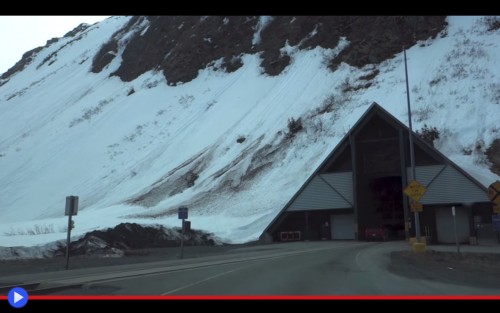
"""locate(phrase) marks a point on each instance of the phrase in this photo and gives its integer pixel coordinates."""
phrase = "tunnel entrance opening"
(388, 208)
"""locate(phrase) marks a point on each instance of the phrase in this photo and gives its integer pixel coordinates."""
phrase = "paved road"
(302, 268)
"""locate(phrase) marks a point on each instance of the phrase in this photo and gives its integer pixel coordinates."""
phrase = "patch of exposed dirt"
(175, 181)
(262, 159)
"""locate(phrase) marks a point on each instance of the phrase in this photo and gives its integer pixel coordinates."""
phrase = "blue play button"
(18, 297)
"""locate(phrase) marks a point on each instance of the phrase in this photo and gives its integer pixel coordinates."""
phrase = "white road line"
(135, 273)
(202, 281)
(240, 268)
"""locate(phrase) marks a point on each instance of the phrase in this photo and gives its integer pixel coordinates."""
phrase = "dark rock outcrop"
(131, 236)
(180, 46)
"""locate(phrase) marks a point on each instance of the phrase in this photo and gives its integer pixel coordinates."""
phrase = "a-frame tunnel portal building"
(360, 185)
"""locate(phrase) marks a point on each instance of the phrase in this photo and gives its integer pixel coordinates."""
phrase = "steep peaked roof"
(375, 109)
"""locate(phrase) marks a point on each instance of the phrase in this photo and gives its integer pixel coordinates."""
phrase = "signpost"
(183, 215)
(70, 210)
(416, 191)
(455, 228)
(412, 152)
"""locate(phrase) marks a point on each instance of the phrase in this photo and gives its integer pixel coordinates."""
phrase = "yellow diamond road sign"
(415, 190)
(494, 192)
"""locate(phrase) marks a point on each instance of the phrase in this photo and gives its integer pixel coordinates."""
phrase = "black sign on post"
(71, 209)
(183, 213)
(71, 205)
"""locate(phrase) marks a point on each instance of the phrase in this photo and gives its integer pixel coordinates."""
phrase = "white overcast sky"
(19, 34)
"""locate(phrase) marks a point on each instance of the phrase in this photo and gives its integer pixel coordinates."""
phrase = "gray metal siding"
(448, 186)
(425, 174)
(319, 195)
(342, 182)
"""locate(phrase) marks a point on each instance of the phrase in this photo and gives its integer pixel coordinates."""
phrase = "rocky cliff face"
(182, 45)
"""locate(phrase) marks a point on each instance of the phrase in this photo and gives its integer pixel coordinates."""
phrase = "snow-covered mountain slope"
(219, 144)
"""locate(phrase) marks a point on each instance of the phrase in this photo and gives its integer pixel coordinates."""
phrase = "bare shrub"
(37, 229)
(428, 134)
(492, 23)
(89, 113)
(494, 92)
(423, 113)
(294, 126)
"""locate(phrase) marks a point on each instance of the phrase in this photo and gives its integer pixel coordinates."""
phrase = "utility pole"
(412, 152)
(183, 214)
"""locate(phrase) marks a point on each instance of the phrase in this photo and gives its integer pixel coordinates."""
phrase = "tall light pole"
(412, 152)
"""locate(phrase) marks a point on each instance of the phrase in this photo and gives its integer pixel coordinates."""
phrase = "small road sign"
(415, 190)
(496, 208)
(416, 207)
(183, 213)
(71, 205)
(494, 192)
